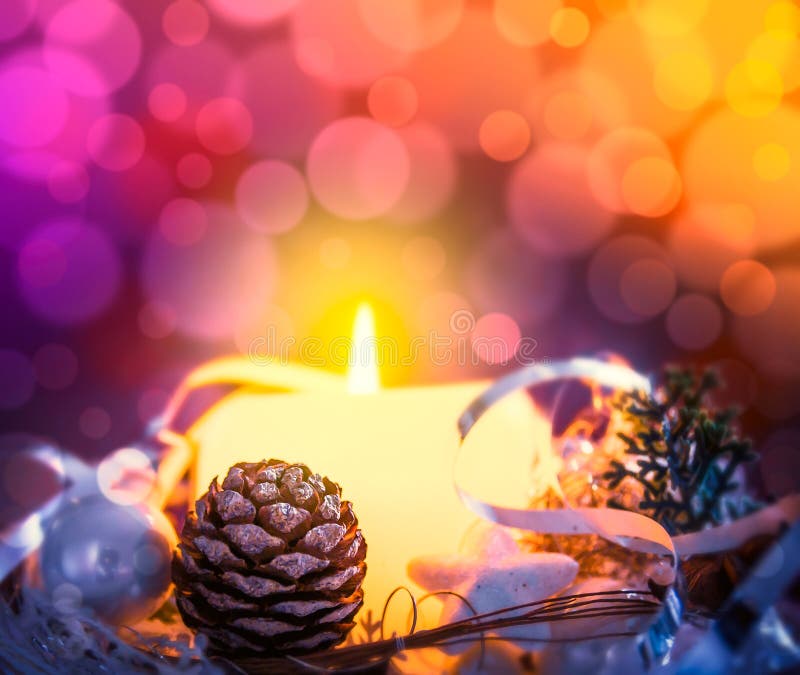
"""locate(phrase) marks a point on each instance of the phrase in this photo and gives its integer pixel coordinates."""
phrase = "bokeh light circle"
(167, 102)
(550, 204)
(252, 13)
(393, 101)
(185, 22)
(683, 79)
(177, 64)
(754, 88)
(95, 423)
(525, 24)
(651, 187)
(357, 168)
(333, 43)
(69, 271)
(771, 161)
(617, 266)
(271, 196)
(631, 70)
(707, 238)
(411, 25)
(504, 135)
(495, 338)
(116, 142)
(575, 104)
(35, 107)
(458, 70)
(68, 182)
(504, 275)
(92, 57)
(648, 286)
(288, 106)
(432, 177)
(214, 285)
(747, 287)
(423, 258)
(224, 126)
(569, 27)
(668, 18)
(183, 221)
(614, 155)
(694, 321)
(56, 366)
(194, 170)
(714, 177)
(17, 376)
(770, 339)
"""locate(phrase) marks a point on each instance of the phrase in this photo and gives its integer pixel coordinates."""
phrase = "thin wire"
(413, 605)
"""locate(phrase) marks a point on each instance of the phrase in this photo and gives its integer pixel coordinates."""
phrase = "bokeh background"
(600, 175)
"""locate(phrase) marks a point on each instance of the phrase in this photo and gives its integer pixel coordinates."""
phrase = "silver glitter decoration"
(218, 552)
(266, 627)
(317, 483)
(223, 602)
(235, 480)
(191, 566)
(296, 565)
(355, 547)
(330, 507)
(316, 640)
(301, 492)
(302, 607)
(284, 517)
(294, 474)
(333, 581)
(264, 493)
(324, 538)
(253, 541)
(339, 613)
(256, 587)
(270, 474)
(233, 508)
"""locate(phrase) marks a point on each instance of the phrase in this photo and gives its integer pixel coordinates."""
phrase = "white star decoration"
(491, 575)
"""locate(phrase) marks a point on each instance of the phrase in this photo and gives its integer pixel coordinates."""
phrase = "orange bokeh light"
(747, 287)
(504, 135)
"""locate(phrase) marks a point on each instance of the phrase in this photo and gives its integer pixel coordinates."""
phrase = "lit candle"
(391, 450)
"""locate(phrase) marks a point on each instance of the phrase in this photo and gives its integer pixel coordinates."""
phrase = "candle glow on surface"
(392, 451)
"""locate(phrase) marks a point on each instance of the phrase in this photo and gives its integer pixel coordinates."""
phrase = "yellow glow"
(683, 80)
(771, 161)
(569, 27)
(668, 17)
(754, 88)
(783, 15)
(363, 377)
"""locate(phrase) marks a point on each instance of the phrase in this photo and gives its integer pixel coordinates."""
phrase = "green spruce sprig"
(687, 454)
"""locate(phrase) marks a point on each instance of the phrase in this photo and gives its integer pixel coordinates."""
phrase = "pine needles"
(686, 455)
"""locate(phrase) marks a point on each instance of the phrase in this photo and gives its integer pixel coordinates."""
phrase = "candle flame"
(363, 377)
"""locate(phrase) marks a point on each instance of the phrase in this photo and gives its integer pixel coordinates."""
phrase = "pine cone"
(271, 563)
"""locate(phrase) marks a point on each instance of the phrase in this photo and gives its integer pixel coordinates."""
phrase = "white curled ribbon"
(634, 531)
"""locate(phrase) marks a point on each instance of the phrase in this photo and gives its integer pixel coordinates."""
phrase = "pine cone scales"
(271, 563)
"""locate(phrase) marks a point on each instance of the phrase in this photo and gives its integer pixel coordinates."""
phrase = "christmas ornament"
(271, 563)
(112, 558)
